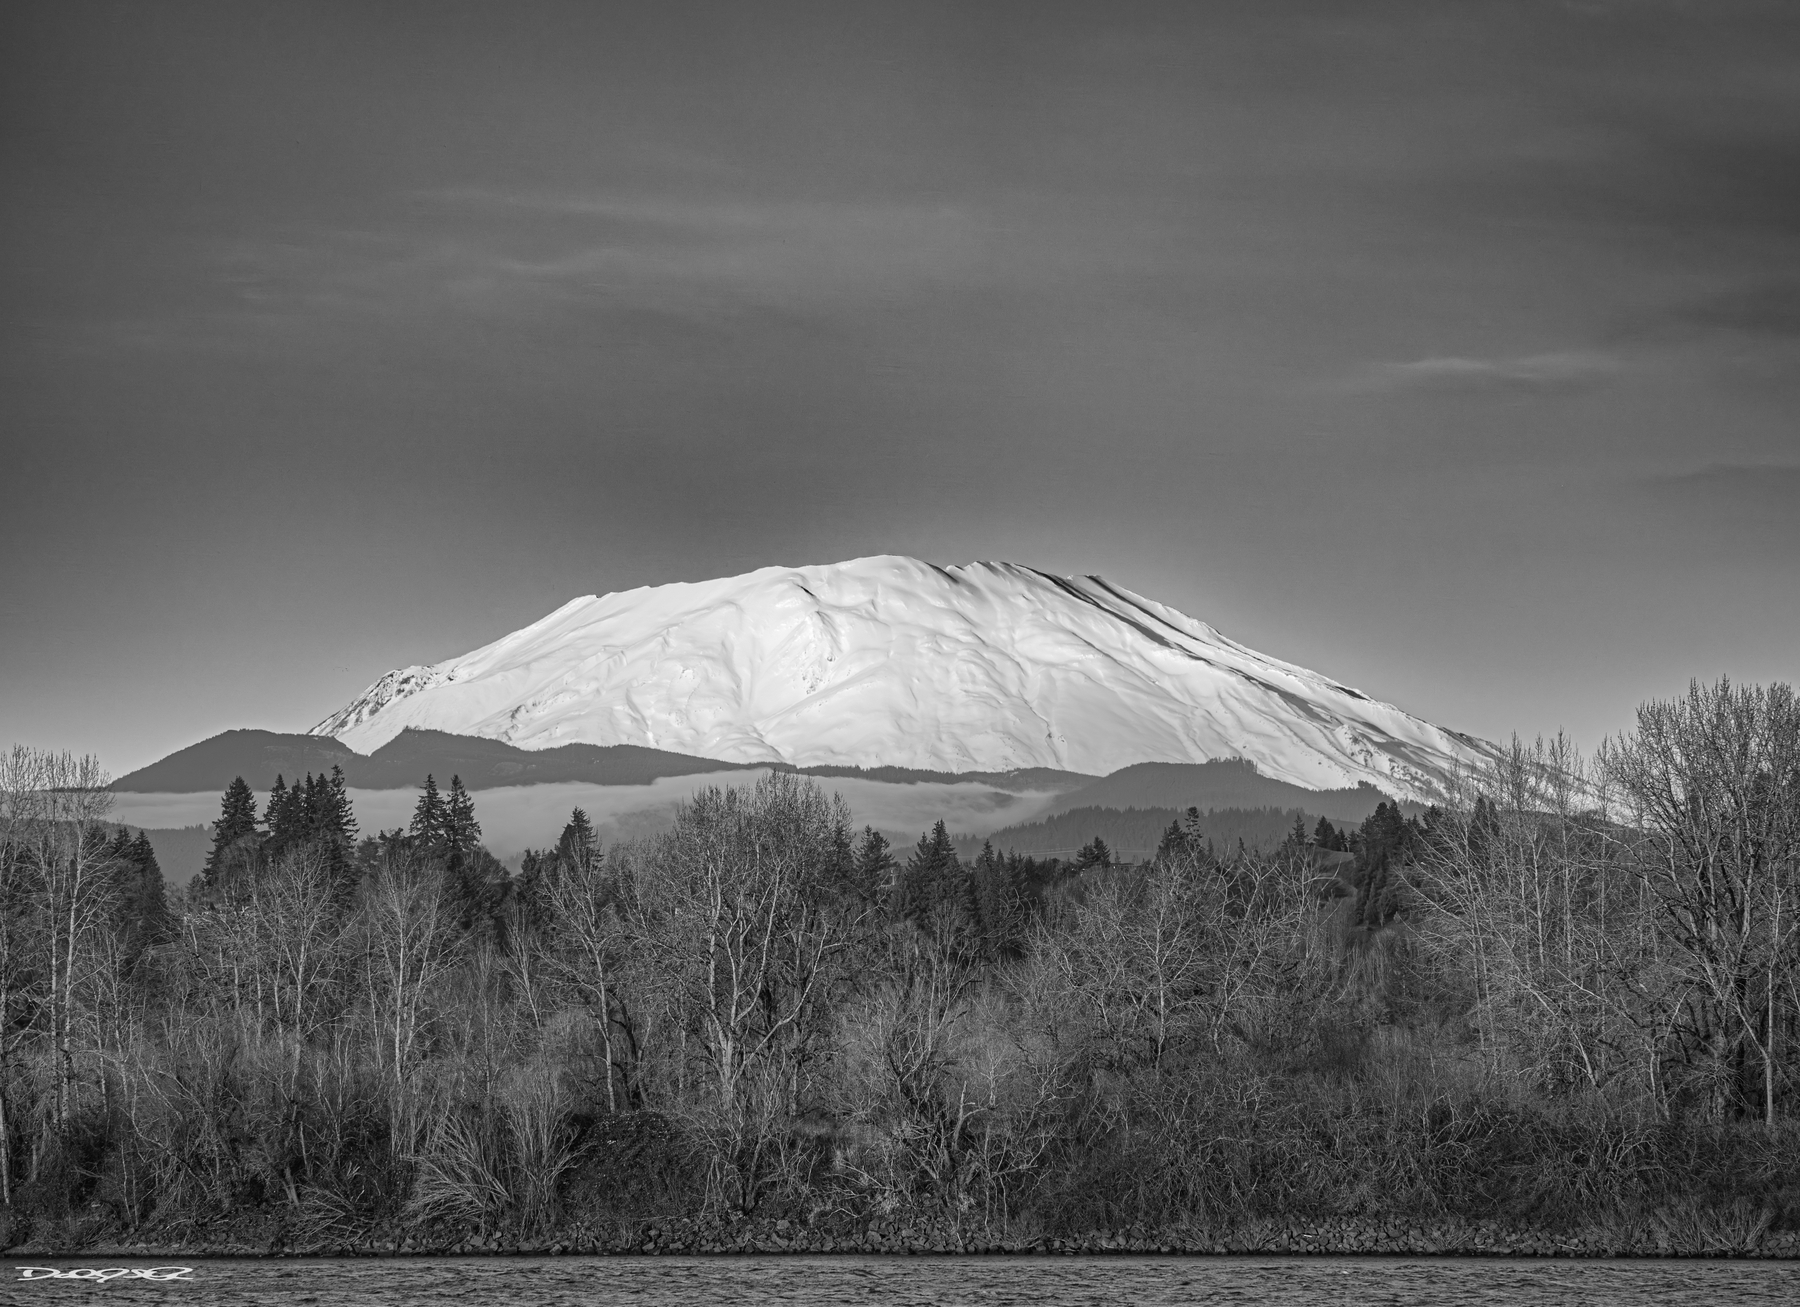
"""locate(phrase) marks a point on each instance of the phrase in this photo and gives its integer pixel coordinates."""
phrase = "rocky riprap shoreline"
(1336, 1236)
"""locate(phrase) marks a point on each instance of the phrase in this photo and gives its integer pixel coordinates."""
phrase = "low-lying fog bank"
(515, 818)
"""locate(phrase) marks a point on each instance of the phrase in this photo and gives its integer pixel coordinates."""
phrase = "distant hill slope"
(1134, 833)
(1026, 780)
(259, 756)
(1131, 808)
(1226, 783)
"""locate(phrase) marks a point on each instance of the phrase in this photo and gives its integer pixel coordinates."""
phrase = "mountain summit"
(889, 661)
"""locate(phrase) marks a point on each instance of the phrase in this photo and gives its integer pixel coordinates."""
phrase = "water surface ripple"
(1120, 1281)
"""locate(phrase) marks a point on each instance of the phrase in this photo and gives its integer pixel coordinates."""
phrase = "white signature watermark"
(105, 1273)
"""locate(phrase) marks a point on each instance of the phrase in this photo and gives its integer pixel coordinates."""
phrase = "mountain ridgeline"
(260, 756)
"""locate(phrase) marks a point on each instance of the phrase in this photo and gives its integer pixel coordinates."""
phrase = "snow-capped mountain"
(889, 661)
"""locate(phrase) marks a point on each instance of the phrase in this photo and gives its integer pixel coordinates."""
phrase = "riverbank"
(1738, 1234)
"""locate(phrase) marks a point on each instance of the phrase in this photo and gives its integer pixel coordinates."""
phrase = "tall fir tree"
(312, 807)
(340, 822)
(300, 810)
(840, 862)
(461, 831)
(429, 821)
(577, 847)
(139, 908)
(873, 869)
(527, 895)
(286, 817)
(334, 832)
(474, 880)
(235, 837)
(1000, 902)
(148, 902)
(275, 813)
(934, 881)
(1484, 828)
(527, 899)
(1385, 844)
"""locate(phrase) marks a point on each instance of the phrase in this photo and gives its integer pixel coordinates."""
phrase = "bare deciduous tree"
(1714, 778)
(742, 919)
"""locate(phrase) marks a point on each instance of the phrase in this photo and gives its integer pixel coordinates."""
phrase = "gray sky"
(1450, 349)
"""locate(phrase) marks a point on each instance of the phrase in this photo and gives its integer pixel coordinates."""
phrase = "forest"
(1566, 1000)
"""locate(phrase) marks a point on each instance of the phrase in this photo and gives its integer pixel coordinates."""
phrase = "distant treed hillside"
(1133, 833)
(260, 756)
(1024, 780)
(1222, 783)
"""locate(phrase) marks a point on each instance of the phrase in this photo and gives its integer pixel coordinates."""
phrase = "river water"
(925, 1281)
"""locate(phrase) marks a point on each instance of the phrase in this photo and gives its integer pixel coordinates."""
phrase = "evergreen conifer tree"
(1484, 825)
(527, 895)
(576, 846)
(1384, 844)
(275, 814)
(475, 889)
(288, 819)
(1000, 902)
(873, 869)
(1173, 845)
(148, 902)
(334, 831)
(934, 880)
(139, 910)
(840, 861)
(429, 821)
(461, 831)
(234, 836)
(297, 821)
(1094, 855)
(986, 872)
(312, 807)
(474, 879)
(340, 822)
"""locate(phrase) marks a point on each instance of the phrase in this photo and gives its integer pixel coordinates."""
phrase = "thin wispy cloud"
(1524, 372)
(797, 251)
(682, 257)
(475, 254)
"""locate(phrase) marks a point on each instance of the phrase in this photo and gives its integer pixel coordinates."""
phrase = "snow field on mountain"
(890, 661)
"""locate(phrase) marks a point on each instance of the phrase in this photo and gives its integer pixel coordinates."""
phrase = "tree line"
(1568, 989)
